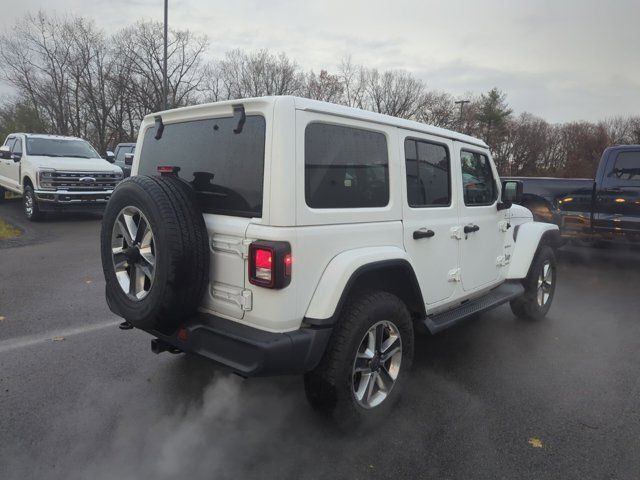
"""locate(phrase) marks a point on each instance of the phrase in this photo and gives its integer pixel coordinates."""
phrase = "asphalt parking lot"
(494, 398)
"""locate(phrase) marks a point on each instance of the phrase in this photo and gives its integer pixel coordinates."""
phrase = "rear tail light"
(270, 264)
(168, 170)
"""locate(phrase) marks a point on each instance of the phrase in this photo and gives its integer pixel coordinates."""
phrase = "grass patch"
(8, 231)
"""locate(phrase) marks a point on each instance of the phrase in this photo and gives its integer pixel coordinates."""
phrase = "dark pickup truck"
(604, 209)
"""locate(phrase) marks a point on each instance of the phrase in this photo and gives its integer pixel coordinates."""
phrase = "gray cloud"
(563, 61)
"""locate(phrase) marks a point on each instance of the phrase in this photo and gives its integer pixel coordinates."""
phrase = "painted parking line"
(28, 341)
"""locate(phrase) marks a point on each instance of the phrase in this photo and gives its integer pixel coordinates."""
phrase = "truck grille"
(85, 181)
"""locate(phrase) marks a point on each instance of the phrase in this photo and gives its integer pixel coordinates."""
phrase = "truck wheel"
(368, 357)
(540, 287)
(2, 194)
(31, 209)
(155, 252)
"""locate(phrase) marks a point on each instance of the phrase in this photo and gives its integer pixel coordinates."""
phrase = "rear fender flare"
(342, 274)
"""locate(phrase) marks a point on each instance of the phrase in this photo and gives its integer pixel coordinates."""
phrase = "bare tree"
(324, 86)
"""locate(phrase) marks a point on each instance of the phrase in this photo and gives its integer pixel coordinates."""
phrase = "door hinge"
(456, 232)
(504, 225)
(242, 299)
(454, 275)
(503, 260)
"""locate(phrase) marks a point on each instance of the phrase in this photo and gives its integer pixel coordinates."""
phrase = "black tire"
(180, 248)
(30, 204)
(2, 194)
(330, 386)
(529, 306)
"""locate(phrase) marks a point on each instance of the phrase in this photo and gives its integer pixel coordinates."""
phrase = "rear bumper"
(249, 351)
(63, 201)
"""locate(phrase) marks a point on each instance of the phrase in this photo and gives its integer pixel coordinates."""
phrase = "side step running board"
(499, 295)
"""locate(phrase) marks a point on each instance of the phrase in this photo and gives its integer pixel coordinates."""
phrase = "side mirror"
(128, 158)
(110, 157)
(16, 157)
(512, 192)
(5, 152)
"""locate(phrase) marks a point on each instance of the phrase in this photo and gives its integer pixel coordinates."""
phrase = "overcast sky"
(563, 60)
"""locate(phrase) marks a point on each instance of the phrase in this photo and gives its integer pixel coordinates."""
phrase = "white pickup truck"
(55, 173)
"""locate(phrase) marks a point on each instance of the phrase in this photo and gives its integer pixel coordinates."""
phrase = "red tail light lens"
(270, 264)
(264, 264)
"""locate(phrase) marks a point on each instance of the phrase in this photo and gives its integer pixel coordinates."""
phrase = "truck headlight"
(45, 179)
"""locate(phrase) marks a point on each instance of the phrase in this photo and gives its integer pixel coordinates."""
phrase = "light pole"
(165, 80)
(461, 103)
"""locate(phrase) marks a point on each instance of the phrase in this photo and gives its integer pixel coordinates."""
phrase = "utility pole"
(165, 80)
(461, 103)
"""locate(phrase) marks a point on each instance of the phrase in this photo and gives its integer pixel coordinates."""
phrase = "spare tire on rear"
(155, 252)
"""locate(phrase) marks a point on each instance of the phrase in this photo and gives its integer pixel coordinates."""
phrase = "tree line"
(72, 78)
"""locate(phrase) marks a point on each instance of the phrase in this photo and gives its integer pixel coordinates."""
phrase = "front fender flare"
(528, 237)
(342, 270)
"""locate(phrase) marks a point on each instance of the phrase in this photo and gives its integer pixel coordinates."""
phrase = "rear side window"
(345, 167)
(428, 174)
(626, 169)
(225, 168)
(477, 179)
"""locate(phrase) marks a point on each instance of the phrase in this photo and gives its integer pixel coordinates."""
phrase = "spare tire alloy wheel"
(155, 252)
(377, 364)
(134, 253)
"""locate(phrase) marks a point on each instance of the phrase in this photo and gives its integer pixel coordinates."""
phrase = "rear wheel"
(2, 194)
(540, 286)
(30, 203)
(369, 355)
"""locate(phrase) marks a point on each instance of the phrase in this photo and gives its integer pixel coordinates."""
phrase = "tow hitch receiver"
(159, 346)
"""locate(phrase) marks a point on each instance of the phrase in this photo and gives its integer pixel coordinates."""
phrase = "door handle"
(471, 228)
(418, 234)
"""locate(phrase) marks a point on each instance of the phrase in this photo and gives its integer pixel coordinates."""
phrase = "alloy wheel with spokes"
(377, 364)
(545, 283)
(133, 252)
(28, 204)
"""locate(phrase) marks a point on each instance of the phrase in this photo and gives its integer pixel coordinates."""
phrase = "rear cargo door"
(224, 163)
(228, 251)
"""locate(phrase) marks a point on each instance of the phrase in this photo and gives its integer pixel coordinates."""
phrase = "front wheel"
(30, 203)
(369, 355)
(540, 287)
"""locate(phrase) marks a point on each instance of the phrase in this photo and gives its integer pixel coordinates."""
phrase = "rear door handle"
(418, 234)
(471, 228)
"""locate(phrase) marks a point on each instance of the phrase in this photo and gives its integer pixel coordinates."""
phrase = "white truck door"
(481, 230)
(430, 212)
(6, 165)
(13, 167)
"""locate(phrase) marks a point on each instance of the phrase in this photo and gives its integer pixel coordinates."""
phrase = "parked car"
(55, 173)
(285, 235)
(122, 156)
(606, 208)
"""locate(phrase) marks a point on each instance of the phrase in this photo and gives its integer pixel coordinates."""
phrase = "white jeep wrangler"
(284, 235)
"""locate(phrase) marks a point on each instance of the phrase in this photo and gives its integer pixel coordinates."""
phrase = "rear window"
(225, 168)
(345, 167)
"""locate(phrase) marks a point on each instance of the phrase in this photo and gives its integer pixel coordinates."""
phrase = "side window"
(120, 155)
(17, 146)
(477, 179)
(428, 174)
(626, 169)
(345, 167)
